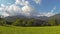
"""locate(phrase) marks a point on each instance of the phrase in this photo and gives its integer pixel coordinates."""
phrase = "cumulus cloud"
(37, 1)
(23, 7)
(15, 8)
(27, 9)
(22, 2)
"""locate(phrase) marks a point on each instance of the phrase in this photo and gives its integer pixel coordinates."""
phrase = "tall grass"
(29, 30)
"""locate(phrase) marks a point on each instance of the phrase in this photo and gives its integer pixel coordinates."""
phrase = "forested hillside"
(23, 21)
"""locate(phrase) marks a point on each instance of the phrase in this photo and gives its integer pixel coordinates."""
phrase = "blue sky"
(48, 7)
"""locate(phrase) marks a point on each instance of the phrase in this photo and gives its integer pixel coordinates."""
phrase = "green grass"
(30, 30)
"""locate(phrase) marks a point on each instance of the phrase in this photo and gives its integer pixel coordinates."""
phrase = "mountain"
(57, 16)
(34, 20)
(13, 18)
(45, 18)
(1, 16)
(22, 16)
(40, 17)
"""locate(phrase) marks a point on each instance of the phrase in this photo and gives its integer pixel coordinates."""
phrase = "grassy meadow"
(30, 30)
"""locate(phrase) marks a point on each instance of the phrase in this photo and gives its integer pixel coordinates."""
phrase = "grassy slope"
(30, 30)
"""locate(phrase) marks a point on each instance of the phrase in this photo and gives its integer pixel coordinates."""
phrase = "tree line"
(25, 22)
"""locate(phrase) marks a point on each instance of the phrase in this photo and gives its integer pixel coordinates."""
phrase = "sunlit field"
(29, 30)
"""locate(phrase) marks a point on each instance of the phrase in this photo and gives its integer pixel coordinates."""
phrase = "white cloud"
(53, 9)
(48, 14)
(26, 9)
(21, 2)
(5, 14)
(37, 1)
(17, 1)
(2, 5)
(14, 9)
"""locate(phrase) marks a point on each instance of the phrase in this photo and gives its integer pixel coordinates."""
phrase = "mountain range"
(12, 18)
